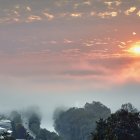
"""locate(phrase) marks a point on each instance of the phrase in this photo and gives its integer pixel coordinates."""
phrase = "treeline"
(121, 125)
(78, 123)
(94, 121)
(29, 127)
(26, 125)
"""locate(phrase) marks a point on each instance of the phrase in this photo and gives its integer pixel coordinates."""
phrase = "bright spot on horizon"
(135, 49)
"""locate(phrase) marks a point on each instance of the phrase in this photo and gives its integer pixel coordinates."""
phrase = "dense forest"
(92, 122)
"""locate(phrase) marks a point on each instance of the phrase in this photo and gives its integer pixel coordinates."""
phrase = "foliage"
(34, 123)
(129, 107)
(19, 131)
(47, 135)
(15, 117)
(77, 123)
(122, 125)
(32, 120)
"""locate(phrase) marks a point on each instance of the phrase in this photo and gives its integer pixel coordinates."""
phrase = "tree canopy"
(122, 125)
(77, 123)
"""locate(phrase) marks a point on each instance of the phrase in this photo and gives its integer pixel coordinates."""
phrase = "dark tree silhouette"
(47, 135)
(122, 125)
(34, 123)
(77, 123)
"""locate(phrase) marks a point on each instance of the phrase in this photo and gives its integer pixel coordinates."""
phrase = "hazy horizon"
(57, 53)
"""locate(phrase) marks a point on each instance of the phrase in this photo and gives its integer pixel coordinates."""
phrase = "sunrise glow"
(58, 54)
(135, 49)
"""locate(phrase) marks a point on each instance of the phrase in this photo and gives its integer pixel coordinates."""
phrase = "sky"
(64, 53)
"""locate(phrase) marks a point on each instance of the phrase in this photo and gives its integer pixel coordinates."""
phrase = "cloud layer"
(68, 52)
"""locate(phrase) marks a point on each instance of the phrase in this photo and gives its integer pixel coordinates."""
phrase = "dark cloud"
(114, 63)
(84, 73)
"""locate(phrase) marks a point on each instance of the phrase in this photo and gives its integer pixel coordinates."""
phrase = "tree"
(77, 123)
(122, 125)
(34, 123)
(129, 107)
(47, 135)
(18, 130)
